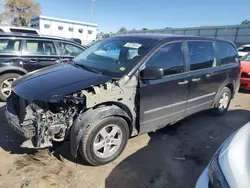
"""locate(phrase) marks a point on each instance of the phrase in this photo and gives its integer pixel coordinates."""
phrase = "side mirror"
(151, 73)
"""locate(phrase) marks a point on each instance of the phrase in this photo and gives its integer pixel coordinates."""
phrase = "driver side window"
(170, 58)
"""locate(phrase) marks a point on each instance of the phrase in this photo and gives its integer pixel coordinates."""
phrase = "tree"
(245, 22)
(122, 30)
(20, 12)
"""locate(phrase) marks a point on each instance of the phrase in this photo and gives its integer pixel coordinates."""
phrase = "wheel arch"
(231, 87)
(92, 116)
(18, 70)
(120, 105)
(229, 83)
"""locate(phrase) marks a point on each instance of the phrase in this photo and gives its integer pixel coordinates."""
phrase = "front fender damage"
(91, 116)
(122, 93)
(68, 118)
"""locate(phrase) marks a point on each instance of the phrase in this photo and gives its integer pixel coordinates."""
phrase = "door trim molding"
(199, 105)
(164, 107)
(181, 111)
(201, 97)
(178, 103)
(161, 117)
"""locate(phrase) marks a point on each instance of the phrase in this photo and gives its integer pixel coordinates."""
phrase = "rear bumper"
(13, 120)
(245, 83)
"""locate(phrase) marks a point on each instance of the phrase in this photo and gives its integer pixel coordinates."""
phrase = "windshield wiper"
(86, 67)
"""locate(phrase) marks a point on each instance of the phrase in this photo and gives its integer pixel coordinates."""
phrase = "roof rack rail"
(19, 34)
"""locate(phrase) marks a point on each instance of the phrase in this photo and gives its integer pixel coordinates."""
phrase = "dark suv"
(122, 87)
(22, 53)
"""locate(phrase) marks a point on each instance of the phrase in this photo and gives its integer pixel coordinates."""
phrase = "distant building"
(65, 28)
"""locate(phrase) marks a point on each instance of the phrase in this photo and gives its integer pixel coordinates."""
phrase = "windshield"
(114, 56)
(93, 42)
(246, 57)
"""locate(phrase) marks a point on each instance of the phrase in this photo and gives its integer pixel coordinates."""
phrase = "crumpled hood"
(234, 158)
(55, 82)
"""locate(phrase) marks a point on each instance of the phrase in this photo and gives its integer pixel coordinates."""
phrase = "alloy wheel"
(6, 86)
(223, 102)
(107, 141)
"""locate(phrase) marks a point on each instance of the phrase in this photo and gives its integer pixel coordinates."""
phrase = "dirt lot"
(148, 160)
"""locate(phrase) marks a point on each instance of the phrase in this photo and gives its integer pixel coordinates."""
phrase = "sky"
(110, 15)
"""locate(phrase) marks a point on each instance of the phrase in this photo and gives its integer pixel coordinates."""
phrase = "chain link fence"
(239, 34)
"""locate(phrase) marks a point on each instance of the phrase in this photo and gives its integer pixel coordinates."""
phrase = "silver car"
(230, 166)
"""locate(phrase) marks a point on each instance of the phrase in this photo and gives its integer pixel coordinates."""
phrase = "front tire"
(6, 81)
(104, 141)
(223, 102)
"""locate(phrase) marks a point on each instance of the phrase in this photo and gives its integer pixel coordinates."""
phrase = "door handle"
(183, 83)
(196, 79)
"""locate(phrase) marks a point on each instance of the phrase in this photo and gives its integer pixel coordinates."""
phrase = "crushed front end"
(67, 117)
(43, 122)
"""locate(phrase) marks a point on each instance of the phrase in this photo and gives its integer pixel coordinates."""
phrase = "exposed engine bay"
(52, 121)
(46, 122)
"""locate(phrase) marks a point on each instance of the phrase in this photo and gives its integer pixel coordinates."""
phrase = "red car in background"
(245, 72)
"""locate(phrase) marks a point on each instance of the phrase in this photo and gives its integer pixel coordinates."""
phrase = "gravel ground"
(148, 160)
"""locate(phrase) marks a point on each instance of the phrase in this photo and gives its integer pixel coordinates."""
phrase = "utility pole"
(92, 11)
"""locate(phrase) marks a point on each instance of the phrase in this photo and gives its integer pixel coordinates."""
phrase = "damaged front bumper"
(13, 120)
(43, 123)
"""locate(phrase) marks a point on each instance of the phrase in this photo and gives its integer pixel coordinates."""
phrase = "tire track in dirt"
(41, 170)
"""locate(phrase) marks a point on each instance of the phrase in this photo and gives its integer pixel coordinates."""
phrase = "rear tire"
(104, 141)
(223, 102)
(6, 81)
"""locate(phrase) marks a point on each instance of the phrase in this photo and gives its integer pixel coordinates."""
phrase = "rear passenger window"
(227, 52)
(202, 55)
(9, 46)
(170, 58)
(38, 47)
(32, 46)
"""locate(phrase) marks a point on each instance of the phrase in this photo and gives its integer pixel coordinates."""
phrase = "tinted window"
(170, 58)
(60, 27)
(40, 47)
(201, 55)
(9, 46)
(46, 26)
(80, 30)
(69, 49)
(227, 52)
